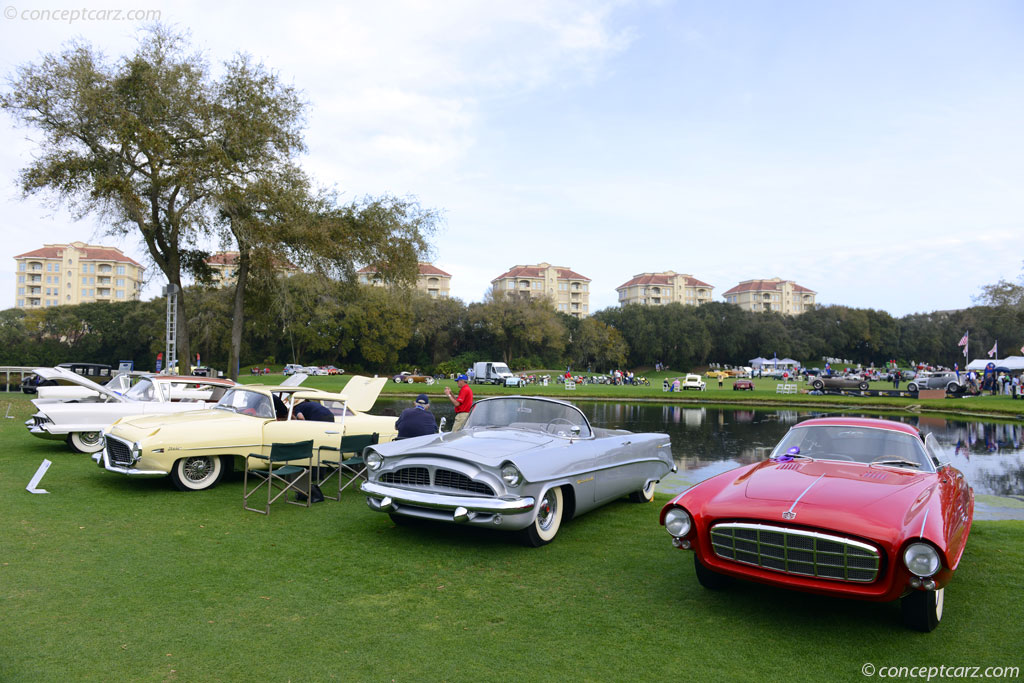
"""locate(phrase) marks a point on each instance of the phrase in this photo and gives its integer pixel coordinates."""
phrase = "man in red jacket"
(463, 402)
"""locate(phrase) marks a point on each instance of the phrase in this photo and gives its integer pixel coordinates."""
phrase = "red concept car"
(850, 507)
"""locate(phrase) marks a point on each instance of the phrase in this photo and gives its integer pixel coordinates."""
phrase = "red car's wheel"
(708, 578)
(922, 610)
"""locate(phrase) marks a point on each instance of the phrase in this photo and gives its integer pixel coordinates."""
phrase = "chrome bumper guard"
(101, 459)
(376, 493)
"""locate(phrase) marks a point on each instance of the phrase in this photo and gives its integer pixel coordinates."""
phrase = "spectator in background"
(311, 410)
(463, 402)
(418, 420)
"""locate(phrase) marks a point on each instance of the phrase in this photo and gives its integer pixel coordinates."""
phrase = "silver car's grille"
(40, 420)
(407, 476)
(795, 551)
(118, 452)
(456, 480)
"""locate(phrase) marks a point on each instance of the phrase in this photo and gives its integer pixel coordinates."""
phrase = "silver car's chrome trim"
(443, 502)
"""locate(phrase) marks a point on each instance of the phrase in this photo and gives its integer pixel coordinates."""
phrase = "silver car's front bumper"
(471, 509)
(38, 429)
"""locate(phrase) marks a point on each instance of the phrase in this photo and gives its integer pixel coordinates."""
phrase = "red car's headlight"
(678, 522)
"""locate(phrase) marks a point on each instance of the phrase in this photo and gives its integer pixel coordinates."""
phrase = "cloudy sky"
(872, 151)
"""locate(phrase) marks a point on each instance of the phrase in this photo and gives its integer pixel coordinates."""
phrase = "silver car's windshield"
(868, 445)
(247, 403)
(531, 414)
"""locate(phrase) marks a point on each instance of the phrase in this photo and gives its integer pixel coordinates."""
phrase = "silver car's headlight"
(678, 522)
(921, 559)
(511, 474)
(374, 460)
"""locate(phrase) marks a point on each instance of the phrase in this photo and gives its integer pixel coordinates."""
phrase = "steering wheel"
(557, 421)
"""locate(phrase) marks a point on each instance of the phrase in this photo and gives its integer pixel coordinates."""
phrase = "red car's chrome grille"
(795, 551)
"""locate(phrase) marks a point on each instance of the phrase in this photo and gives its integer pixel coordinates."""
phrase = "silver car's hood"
(484, 446)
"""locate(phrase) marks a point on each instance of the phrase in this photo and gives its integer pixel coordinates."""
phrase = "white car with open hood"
(81, 422)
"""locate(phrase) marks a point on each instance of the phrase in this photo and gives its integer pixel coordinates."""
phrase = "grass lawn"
(109, 578)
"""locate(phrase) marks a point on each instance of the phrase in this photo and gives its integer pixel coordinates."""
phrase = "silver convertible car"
(520, 463)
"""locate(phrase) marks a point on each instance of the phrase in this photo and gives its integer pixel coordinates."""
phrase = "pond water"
(710, 440)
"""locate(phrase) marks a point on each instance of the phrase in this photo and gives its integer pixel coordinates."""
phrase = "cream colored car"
(197, 448)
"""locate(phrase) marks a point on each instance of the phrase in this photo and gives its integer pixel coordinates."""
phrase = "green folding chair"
(279, 475)
(352, 467)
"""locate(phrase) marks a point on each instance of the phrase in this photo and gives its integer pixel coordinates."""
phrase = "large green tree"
(130, 142)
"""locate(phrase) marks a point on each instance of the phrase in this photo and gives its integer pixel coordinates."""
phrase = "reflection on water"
(707, 441)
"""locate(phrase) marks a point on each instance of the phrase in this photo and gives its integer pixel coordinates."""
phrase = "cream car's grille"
(795, 551)
(407, 476)
(118, 452)
(456, 480)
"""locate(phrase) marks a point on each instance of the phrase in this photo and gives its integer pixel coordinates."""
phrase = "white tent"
(789, 362)
(1012, 363)
(757, 362)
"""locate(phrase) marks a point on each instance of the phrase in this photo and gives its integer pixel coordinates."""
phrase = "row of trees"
(308, 318)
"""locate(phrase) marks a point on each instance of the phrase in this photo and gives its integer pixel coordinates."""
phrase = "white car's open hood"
(74, 378)
(362, 392)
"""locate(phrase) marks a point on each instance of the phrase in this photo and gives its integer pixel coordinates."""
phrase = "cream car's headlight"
(374, 460)
(678, 522)
(921, 559)
(511, 474)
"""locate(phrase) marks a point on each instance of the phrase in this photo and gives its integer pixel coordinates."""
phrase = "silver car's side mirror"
(440, 427)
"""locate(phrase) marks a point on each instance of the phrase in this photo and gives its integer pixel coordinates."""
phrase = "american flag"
(963, 340)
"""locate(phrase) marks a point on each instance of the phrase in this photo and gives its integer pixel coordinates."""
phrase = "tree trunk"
(238, 314)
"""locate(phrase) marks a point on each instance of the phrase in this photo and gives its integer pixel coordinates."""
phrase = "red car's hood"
(872, 502)
(836, 484)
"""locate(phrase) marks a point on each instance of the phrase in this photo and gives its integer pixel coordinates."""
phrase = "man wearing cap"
(416, 421)
(463, 402)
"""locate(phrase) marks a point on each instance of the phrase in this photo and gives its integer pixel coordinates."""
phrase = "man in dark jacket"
(416, 421)
(311, 410)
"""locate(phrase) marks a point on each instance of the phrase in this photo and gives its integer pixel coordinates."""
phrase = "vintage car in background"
(50, 391)
(693, 382)
(520, 463)
(848, 507)
(80, 422)
(409, 378)
(836, 382)
(936, 380)
(96, 372)
(743, 385)
(196, 449)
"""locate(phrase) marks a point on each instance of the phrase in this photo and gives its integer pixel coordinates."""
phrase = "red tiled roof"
(425, 269)
(764, 286)
(664, 280)
(223, 258)
(89, 253)
(230, 258)
(431, 269)
(535, 272)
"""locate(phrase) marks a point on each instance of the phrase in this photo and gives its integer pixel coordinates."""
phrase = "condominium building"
(431, 279)
(75, 273)
(568, 291)
(225, 268)
(775, 294)
(658, 289)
